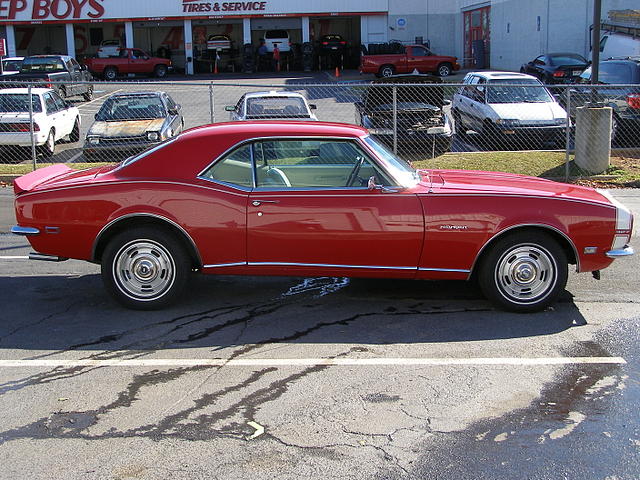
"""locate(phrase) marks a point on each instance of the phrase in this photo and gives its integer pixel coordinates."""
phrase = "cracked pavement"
(321, 421)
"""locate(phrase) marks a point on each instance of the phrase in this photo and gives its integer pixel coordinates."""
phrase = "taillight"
(325, 43)
(558, 73)
(633, 100)
(343, 43)
(19, 127)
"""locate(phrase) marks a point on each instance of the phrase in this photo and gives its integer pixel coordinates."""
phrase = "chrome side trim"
(456, 270)
(539, 225)
(130, 215)
(221, 265)
(510, 195)
(24, 231)
(46, 258)
(624, 252)
(326, 265)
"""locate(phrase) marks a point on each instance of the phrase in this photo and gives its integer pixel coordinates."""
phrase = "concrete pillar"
(364, 30)
(188, 47)
(11, 41)
(71, 40)
(246, 30)
(593, 138)
(305, 29)
(128, 34)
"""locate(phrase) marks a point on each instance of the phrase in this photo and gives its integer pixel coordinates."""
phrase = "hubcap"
(144, 270)
(526, 273)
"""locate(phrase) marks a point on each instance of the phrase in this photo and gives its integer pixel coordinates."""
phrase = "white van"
(619, 41)
(277, 37)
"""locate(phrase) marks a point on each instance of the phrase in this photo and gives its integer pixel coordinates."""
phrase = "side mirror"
(312, 106)
(372, 186)
(230, 108)
(173, 111)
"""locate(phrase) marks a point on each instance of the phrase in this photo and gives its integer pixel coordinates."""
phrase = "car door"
(174, 115)
(55, 119)
(137, 61)
(419, 58)
(64, 117)
(311, 212)
(468, 103)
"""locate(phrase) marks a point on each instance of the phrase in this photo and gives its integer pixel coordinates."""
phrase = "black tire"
(386, 71)
(444, 69)
(62, 91)
(49, 147)
(145, 268)
(110, 73)
(524, 271)
(160, 71)
(74, 136)
(88, 95)
(460, 127)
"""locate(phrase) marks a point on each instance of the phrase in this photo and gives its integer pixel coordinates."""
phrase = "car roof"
(497, 74)
(278, 128)
(35, 91)
(65, 57)
(138, 94)
(12, 58)
(273, 93)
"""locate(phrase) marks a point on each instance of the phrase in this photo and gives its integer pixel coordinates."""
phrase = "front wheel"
(444, 69)
(110, 73)
(160, 71)
(88, 95)
(386, 71)
(524, 272)
(145, 268)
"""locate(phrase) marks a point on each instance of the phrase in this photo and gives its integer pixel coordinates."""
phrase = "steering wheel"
(353, 176)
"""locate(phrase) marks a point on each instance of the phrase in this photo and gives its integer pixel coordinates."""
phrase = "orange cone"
(215, 67)
(337, 72)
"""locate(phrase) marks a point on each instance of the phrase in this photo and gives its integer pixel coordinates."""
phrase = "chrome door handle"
(257, 203)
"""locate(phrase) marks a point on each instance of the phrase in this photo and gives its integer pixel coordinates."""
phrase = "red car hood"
(479, 182)
(58, 175)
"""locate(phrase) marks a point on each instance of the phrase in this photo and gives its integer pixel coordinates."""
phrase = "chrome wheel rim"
(526, 273)
(444, 71)
(144, 270)
(387, 72)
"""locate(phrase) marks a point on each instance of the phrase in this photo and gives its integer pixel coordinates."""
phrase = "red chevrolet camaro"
(312, 199)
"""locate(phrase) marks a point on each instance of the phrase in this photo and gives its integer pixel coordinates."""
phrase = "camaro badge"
(453, 227)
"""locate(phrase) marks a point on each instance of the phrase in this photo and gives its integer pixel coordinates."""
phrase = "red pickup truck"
(415, 57)
(129, 60)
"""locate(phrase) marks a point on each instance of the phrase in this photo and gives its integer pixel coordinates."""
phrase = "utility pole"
(595, 41)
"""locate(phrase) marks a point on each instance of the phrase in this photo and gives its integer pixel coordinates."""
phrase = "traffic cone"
(337, 72)
(215, 67)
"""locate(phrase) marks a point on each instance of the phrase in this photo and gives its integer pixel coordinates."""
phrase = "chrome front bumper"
(24, 231)
(623, 252)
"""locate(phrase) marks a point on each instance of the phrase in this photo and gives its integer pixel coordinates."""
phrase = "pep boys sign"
(51, 9)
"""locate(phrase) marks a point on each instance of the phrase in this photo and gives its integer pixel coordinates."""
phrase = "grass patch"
(22, 168)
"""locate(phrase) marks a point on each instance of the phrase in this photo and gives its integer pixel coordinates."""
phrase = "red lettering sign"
(63, 9)
(3, 47)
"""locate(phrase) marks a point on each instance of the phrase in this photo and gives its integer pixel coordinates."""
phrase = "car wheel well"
(563, 241)
(139, 221)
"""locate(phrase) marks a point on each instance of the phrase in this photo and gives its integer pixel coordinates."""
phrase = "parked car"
(415, 58)
(619, 40)
(53, 119)
(11, 65)
(332, 44)
(129, 60)
(422, 124)
(220, 43)
(623, 99)
(313, 199)
(128, 123)
(61, 72)
(109, 48)
(271, 105)
(556, 67)
(279, 38)
(505, 106)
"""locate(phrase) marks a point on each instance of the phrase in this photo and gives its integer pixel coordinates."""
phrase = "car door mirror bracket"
(373, 186)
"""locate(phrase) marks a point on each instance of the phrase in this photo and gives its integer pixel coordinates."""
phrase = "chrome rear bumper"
(623, 252)
(18, 230)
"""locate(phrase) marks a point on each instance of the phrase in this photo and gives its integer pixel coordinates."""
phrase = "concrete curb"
(8, 178)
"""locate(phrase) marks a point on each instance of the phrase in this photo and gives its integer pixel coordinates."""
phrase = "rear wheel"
(461, 128)
(160, 71)
(386, 71)
(145, 268)
(110, 73)
(524, 271)
(62, 91)
(49, 147)
(88, 95)
(74, 136)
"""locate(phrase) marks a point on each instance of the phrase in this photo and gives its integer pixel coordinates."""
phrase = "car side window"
(60, 103)
(539, 61)
(479, 91)
(419, 51)
(50, 103)
(314, 164)
(235, 168)
(75, 65)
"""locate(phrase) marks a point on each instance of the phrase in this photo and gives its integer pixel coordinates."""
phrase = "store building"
(500, 34)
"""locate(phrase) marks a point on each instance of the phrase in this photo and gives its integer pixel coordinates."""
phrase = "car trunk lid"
(56, 175)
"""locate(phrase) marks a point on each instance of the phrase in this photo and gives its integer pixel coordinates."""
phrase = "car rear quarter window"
(235, 168)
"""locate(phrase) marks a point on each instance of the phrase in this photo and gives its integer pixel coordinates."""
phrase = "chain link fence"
(418, 121)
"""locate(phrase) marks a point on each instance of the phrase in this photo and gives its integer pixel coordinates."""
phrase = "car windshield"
(399, 168)
(11, 65)
(517, 90)
(276, 107)
(42, 64)
(276, 34)
(568, 59)
(131, 108)
(18, 102)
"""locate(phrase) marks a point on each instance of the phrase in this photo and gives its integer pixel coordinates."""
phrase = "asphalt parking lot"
(295, 378)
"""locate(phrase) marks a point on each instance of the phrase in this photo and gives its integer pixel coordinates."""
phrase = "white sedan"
(53, 119)
(271, 105)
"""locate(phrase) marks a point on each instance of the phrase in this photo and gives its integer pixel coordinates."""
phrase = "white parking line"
(308, 362)
(98, 98)
(14, 257)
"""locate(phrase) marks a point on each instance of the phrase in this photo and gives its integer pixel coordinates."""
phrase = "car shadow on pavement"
(75, 313)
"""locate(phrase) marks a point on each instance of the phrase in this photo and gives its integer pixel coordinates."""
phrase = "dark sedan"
(556, 67)
(128, 123)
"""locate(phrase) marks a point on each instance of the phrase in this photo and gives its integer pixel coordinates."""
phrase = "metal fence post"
(212, 114)
(33, 138)
(395, 119)
(568, 136)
